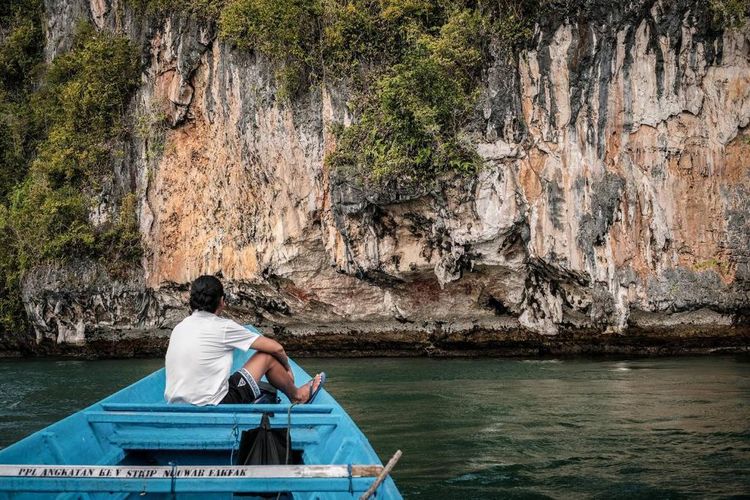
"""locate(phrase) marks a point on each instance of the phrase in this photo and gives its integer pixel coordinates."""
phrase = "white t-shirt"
(199, 358)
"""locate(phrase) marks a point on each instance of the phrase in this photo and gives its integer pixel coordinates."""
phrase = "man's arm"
(270, 346)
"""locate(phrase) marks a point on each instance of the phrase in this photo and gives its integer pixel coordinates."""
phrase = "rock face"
(615, 202)
(84, 310)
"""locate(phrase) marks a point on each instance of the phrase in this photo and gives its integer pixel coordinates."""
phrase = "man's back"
(199, 358)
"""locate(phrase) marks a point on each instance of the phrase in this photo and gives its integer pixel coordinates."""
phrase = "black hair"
(206, 293)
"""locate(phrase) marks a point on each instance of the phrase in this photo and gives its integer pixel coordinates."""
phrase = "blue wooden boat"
(134, 445)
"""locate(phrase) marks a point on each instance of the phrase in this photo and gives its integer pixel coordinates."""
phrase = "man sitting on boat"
(199, 357)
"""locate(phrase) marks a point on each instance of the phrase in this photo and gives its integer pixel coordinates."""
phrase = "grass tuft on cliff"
(285, 30)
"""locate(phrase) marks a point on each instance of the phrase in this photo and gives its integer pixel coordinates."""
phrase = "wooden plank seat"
(186, 408)
(187, 479)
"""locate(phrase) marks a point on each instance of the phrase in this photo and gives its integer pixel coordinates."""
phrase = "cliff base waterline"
(435, 340)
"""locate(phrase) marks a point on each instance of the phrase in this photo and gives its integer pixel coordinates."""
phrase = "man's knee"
(261, 358)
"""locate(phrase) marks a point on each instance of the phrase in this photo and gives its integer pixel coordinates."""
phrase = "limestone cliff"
(615, 199)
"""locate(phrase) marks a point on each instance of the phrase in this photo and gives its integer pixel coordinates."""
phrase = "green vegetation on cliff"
(729, 13)
(411, 119)
(414, 67)
(62, 130)
(21, 45)
(83, 103)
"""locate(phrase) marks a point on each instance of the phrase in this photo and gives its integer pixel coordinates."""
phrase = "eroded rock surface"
(614, 201)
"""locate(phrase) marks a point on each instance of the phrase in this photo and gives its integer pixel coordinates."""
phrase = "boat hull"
(134, 429)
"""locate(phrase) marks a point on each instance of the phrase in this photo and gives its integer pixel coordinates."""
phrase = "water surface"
(490, 428)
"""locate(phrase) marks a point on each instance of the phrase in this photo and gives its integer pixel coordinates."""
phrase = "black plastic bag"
(263, 445)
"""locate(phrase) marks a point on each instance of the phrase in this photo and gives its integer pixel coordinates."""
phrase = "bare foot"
(304, 392)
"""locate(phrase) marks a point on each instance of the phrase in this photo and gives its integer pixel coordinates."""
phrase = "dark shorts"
(243, 389)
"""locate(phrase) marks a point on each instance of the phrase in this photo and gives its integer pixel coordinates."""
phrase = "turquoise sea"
(493, 428)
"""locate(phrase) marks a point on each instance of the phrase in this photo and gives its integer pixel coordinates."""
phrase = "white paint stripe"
(203, 472)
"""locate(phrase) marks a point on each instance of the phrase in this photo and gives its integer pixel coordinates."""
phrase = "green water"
(648, 428)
